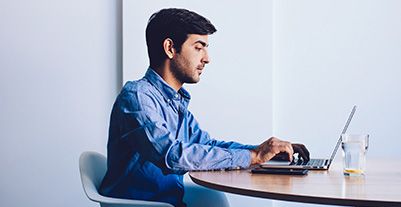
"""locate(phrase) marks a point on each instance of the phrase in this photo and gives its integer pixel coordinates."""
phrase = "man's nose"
(206, 58)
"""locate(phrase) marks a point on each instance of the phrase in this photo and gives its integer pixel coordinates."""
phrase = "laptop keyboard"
(311, 162)
(316, 162)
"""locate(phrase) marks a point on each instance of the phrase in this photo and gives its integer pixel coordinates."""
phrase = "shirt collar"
(166, 90)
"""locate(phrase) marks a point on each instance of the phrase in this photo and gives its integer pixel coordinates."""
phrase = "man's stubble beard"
(178, 70)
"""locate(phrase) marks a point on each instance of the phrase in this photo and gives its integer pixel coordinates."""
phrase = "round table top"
(380, 186)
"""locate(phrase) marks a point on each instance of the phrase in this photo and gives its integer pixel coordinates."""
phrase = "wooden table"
(381, 186)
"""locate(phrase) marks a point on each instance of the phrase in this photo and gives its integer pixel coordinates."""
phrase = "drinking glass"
(354, 150)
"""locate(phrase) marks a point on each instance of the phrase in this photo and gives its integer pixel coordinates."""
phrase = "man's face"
(187, 65)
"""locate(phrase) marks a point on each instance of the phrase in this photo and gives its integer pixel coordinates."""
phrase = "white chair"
(92, 167)
(199, 196)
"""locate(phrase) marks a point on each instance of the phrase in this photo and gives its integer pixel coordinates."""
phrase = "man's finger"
(304, 149)
(301, 150)
(282, 156)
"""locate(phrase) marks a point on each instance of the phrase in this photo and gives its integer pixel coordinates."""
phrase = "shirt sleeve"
(147, 132)
(210, 153)
(191, 156)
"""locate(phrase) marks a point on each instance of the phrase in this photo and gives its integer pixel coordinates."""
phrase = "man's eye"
(198, 48)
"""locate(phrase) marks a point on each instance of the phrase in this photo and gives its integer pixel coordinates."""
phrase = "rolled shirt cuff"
(241, 158)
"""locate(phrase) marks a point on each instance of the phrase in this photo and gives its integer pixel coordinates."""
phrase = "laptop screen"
(344, 130)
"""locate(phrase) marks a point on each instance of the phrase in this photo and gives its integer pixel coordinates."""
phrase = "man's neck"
(168, 77)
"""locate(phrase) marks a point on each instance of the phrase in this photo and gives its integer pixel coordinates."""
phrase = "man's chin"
(193, 81)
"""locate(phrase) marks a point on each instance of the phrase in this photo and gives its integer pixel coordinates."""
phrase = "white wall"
(59, 74)
(330, 55)
(233, 99)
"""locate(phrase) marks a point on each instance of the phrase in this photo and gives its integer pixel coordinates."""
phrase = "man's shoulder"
(139, 92)
(137, 86)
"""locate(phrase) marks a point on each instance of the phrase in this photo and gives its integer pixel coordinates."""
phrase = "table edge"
(292, 197)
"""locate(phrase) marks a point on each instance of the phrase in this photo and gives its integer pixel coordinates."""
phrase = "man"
(153, 138)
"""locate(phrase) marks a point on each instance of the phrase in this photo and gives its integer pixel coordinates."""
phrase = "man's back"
(135, 168)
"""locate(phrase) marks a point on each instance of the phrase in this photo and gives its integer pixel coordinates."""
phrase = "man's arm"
(272, 148)
(191, 156)
(146, 132)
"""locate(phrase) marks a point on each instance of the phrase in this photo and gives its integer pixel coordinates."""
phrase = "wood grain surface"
(381, 186)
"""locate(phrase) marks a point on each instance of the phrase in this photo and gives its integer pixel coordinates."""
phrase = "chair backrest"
(92, 166)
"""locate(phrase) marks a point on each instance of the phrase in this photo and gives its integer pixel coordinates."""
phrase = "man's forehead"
(196, 38)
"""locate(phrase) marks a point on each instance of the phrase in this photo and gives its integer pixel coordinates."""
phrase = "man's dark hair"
(175, 24)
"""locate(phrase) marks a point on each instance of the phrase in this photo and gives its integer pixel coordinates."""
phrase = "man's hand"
(274, 146)
(299, 149)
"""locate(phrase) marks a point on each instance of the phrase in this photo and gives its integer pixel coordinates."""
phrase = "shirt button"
(168, 100)
(176, 95)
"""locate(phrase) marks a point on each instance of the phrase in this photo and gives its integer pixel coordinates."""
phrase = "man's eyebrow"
(204, 44)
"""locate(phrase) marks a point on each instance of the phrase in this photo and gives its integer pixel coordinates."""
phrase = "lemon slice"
(353, 171)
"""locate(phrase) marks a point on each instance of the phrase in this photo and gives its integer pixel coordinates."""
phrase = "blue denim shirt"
(154, 139)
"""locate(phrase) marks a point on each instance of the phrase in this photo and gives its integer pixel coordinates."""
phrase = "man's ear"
(168, 47)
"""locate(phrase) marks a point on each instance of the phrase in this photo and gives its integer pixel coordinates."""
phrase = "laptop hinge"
(328, 162)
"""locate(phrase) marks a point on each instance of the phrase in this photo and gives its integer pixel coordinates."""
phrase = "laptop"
(312, 164)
